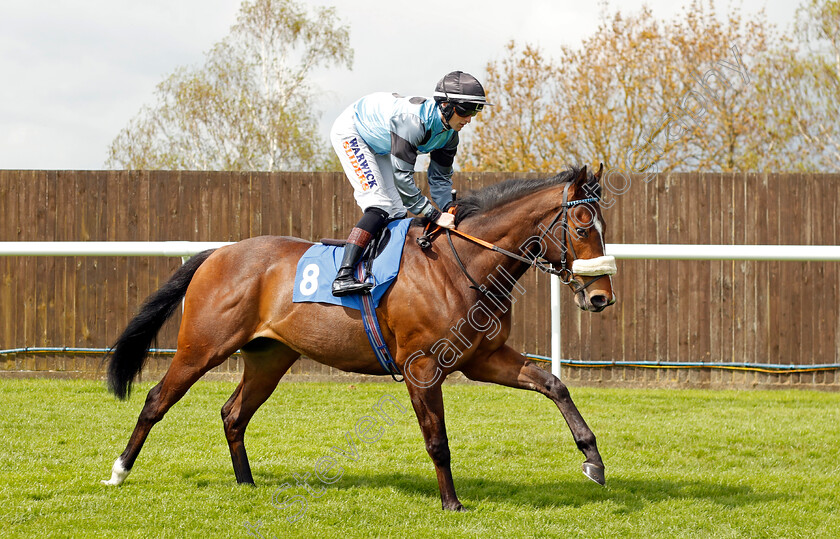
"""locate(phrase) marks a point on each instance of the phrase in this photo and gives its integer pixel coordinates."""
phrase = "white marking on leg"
(118, 473)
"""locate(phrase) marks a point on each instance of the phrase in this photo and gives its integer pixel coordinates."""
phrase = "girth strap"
(374, 332)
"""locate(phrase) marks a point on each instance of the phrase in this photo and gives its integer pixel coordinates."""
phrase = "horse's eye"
(582, 232)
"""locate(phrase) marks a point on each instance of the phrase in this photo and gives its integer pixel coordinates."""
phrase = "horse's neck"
(508, 227)
(511, 225)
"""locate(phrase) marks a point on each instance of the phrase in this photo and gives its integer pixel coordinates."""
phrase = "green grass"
(679, 464)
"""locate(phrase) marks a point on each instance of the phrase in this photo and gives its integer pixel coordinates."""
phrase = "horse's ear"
(582, 176)
(598, 174)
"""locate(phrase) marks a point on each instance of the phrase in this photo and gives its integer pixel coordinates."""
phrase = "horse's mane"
(493, 196)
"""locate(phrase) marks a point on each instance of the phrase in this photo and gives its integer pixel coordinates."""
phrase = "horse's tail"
(128, 355)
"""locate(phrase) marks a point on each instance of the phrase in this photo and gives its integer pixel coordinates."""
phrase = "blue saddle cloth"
(318, 267)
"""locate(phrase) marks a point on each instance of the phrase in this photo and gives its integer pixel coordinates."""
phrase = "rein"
(564, 273)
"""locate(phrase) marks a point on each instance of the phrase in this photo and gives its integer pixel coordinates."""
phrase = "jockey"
(377, 140)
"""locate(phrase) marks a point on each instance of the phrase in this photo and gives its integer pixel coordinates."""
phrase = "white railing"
(800, 253)
(106, 248)
(641, 251)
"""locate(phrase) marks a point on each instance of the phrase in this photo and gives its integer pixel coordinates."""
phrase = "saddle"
(318, 266)
(374, 248)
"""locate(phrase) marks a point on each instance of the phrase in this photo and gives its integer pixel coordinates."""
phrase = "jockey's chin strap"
(564, 273)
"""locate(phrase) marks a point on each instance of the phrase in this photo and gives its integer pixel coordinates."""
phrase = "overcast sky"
(73, 73)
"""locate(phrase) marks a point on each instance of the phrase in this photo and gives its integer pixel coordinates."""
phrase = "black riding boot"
(368, 226)
(345, 282)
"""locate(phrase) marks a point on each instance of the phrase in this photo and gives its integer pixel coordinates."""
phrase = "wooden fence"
(761, 312)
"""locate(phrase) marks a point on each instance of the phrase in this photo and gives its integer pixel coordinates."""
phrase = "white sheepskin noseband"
(603, 265)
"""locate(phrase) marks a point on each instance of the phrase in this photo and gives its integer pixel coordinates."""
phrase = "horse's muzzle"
(595, 299)
(594, 303)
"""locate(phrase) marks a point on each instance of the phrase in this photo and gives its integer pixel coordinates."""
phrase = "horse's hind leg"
(186, 368)
(507, 367)
(266, 361)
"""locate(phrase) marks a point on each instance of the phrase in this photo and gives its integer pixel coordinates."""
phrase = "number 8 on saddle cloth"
(318, 266)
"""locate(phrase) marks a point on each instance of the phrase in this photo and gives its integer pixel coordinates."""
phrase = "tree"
(250, 106)
(716, 61)
(816, 112)
(523, 129)
(797, 94)
(648, 95)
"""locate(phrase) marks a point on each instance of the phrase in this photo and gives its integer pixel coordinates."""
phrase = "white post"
(555, 325)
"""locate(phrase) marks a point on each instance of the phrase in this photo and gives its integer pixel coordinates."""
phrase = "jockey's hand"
(446, 220)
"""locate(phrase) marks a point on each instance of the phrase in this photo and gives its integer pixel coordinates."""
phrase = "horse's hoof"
(594, 473)
(118, 474)
(455, 507)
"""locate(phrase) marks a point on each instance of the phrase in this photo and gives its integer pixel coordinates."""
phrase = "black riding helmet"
(459, 92)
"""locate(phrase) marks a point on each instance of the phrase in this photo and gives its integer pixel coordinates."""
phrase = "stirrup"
(347, 285)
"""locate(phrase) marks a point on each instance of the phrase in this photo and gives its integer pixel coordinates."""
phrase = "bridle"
(565, 273)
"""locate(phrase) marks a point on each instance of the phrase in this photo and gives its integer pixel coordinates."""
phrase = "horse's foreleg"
(507, 367)
(265, 364)
(428, 406)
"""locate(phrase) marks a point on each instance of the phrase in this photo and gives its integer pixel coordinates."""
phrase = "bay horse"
(239, 297)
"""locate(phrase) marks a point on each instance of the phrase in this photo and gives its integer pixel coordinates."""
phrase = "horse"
(239, 297)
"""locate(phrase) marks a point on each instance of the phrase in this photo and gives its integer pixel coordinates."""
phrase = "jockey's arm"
(440, 172)
(406, 133)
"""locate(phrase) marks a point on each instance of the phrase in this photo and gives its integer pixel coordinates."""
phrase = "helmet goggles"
(467, 109)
